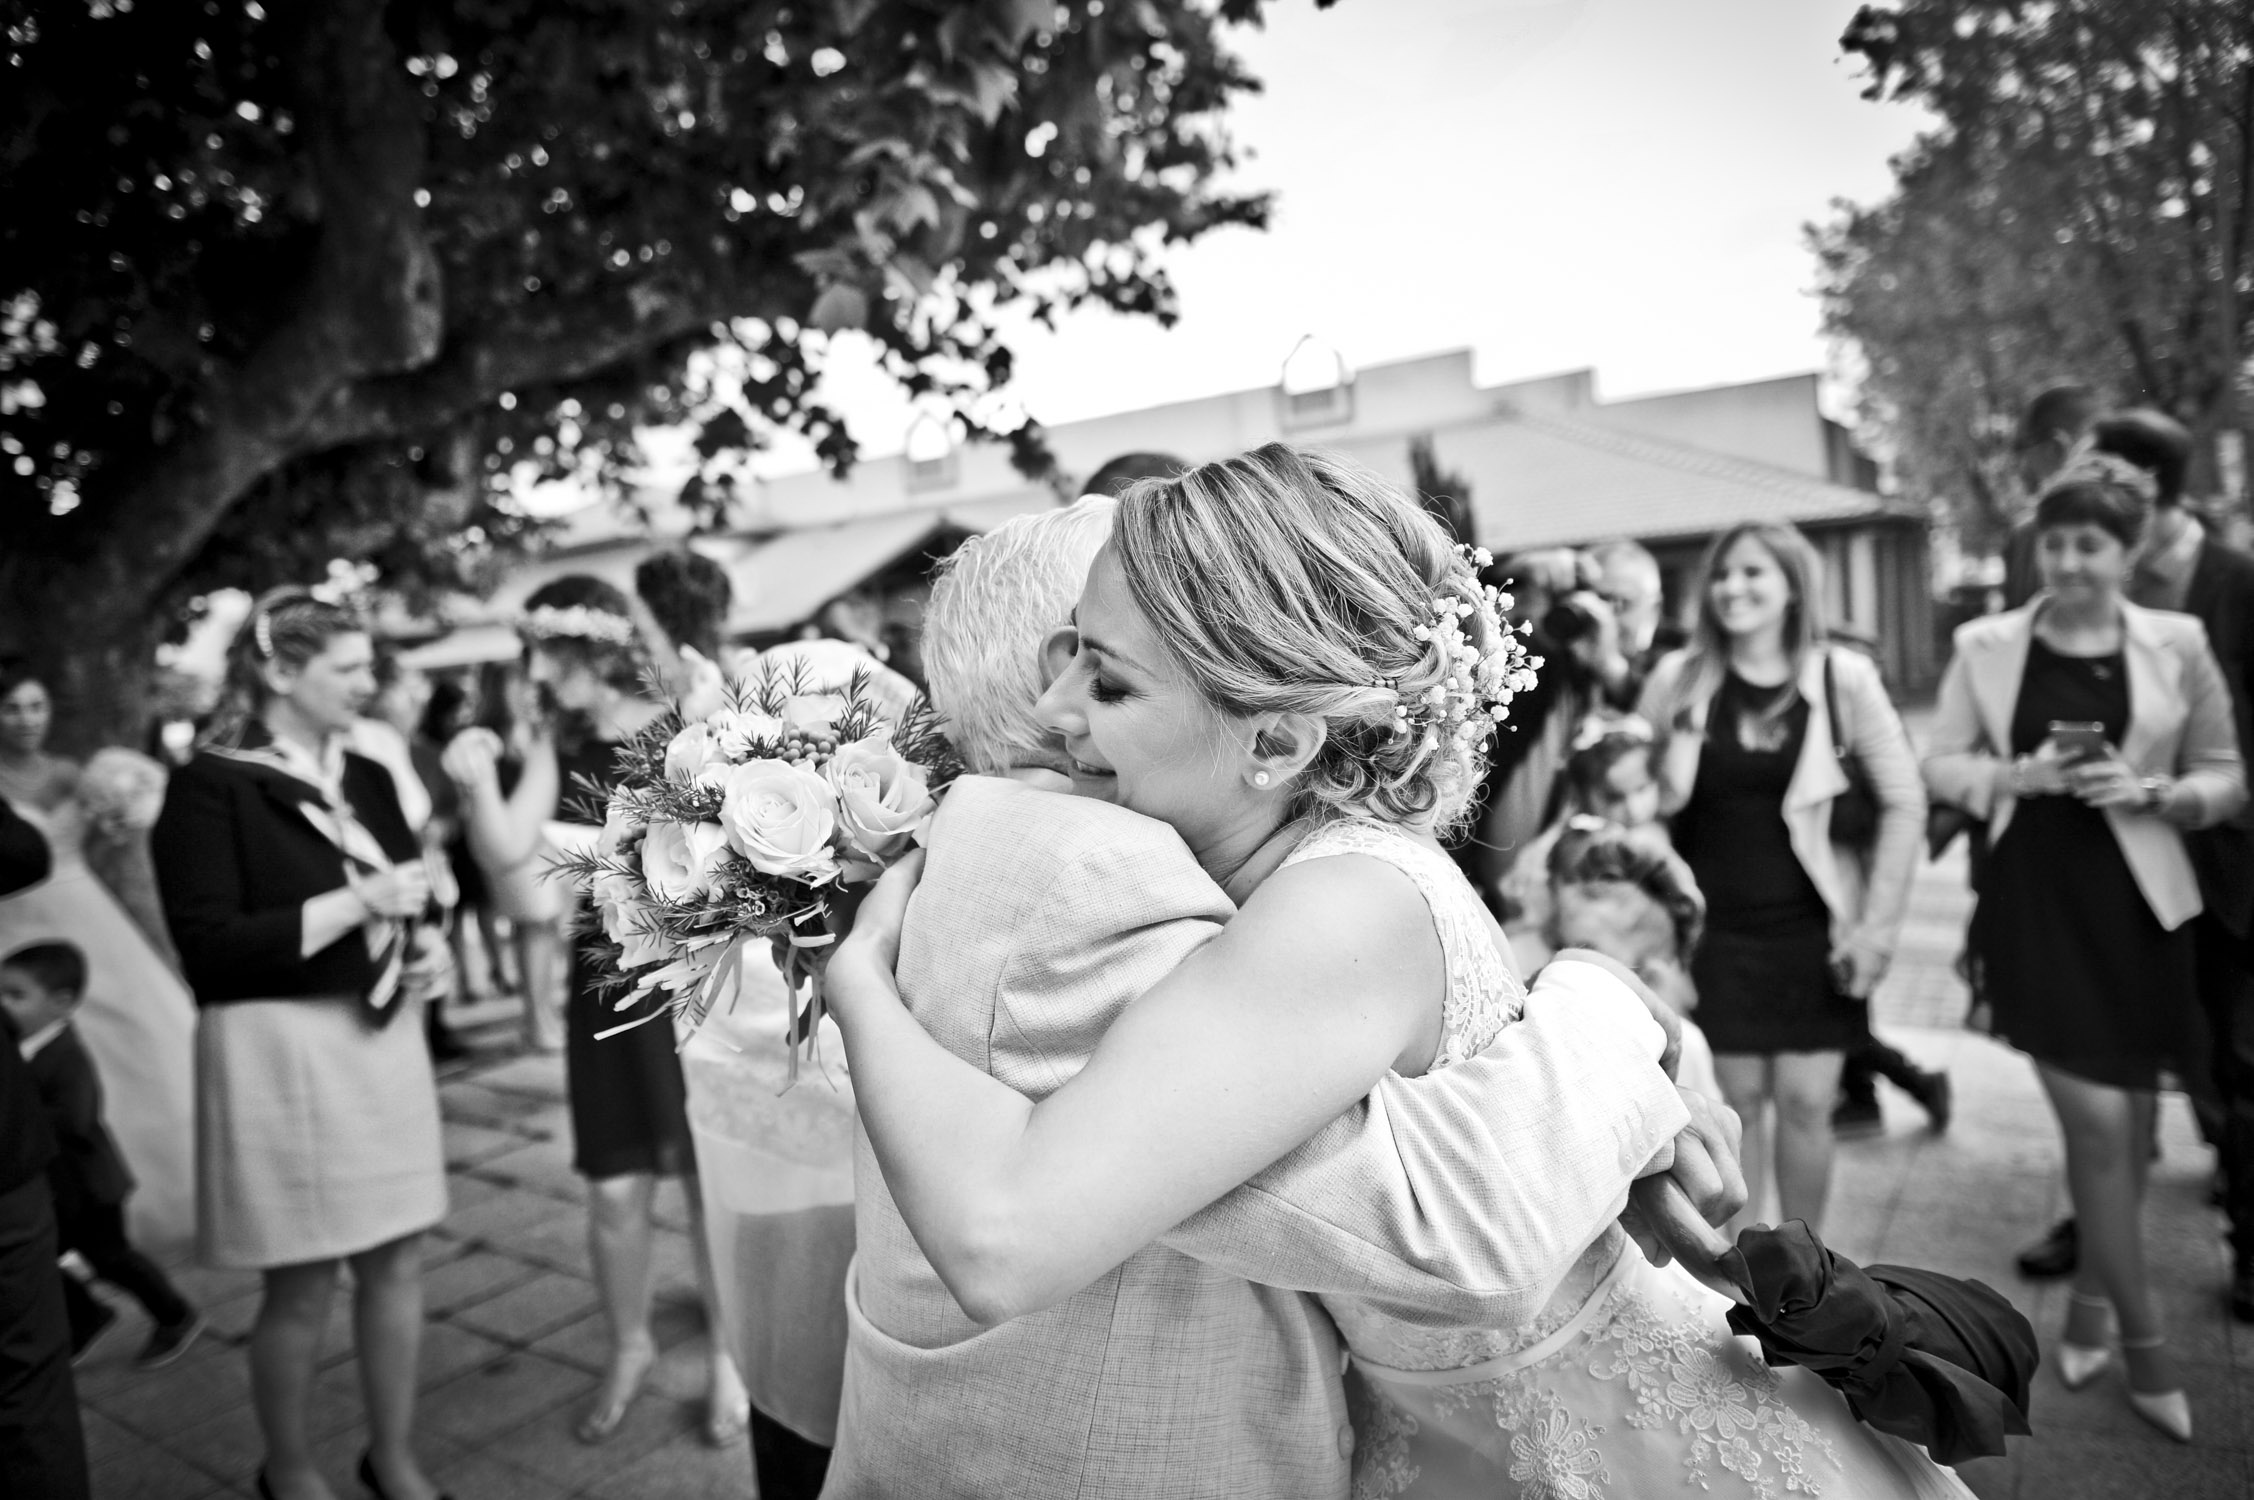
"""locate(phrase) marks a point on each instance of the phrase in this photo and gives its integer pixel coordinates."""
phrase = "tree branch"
(555, 343)
(369, 302)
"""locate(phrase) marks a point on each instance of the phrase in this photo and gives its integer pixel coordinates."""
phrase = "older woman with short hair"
(2090, 735)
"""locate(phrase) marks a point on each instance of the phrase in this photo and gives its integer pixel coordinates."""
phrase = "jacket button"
(1346, 1440)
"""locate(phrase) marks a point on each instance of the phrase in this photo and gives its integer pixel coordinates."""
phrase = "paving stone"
(528, 1312)
(506, 1211)
(491, 1399)
(585, 1344)
(2073, 1469)
(487, 1479)
(450, 1350)
(468, 1144)
(140, 1470)
(540, 1075)
(471, 1278)
(546, 1447)
(157, 1407)
(681, 1471)
(540, 1164)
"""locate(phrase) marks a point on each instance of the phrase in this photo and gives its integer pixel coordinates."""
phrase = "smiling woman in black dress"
(629, 1121)
(2083, 932)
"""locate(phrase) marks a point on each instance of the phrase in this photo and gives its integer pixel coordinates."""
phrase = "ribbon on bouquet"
(804, 1034)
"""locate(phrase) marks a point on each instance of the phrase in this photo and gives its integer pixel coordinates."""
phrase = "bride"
(1279, 656)
(138, 1018)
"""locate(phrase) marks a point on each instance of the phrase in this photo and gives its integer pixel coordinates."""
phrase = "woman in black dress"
(1799, 929)
(2089, 733)
(629, 1124)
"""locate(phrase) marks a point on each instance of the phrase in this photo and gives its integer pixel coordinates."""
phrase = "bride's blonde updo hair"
(1292, 581)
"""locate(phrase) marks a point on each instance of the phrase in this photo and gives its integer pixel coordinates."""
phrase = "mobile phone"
(2078, 740)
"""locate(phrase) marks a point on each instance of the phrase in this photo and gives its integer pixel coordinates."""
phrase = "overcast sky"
(1555, 183)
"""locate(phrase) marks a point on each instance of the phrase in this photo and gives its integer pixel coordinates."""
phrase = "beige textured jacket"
(2179, 725)
(1038, 920)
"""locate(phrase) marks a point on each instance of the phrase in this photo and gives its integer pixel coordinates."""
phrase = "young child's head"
(40, 985)
(1610, 773)
(1625, 894)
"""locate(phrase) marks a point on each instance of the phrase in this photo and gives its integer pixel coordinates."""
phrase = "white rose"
(738, 731)
(694, 751)
(815, 713)
(780, 816)
(883, 798)
(681, 861)
(618, 901)
(621, 821)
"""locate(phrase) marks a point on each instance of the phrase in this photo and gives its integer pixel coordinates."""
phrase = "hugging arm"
(1256, 1041)
(1470, 1191)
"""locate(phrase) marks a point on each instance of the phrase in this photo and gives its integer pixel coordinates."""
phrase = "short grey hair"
(995, 601)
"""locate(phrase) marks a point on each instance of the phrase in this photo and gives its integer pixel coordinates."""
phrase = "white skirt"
(317, 1137)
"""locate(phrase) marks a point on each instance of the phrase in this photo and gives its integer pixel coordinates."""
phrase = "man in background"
(2055, 424)
(2182, 568)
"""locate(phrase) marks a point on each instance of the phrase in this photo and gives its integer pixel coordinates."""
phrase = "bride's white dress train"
(138, 1021)
(1629, 1384)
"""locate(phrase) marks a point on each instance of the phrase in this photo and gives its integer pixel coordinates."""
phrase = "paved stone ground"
(515, 1342)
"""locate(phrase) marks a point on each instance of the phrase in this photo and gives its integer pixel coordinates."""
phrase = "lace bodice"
(1482, 996)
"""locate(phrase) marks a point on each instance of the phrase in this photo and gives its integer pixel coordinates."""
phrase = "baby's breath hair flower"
(1466, 706)
(578, 623)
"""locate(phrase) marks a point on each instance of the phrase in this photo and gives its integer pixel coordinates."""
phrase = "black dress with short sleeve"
(1763, 970)
(2081, 974)
(629, 1105)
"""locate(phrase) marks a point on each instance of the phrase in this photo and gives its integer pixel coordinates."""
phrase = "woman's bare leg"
(619, 1235)
(285, 1349)
(387, 1326)
(1745, 1084)
(1806, 1086)
(2107, 1132)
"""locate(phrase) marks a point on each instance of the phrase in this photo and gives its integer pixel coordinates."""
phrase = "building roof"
(1542, 480)
(788, 578)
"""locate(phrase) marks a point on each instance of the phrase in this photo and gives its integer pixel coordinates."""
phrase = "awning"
(470, 646)
(787, 580)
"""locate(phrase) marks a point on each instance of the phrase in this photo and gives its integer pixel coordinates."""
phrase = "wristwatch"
(2156, 791)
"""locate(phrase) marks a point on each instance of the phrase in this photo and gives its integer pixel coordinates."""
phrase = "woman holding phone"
(2090, 734)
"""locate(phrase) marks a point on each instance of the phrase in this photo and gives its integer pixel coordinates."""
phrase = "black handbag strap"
(1831, 709)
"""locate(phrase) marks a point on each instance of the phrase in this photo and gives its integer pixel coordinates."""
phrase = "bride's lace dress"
(1629, 1383)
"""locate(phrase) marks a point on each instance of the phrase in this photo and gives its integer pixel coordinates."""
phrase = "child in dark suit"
(39, 988)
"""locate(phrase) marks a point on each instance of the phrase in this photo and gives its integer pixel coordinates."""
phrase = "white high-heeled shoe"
(2170, 1411)
(2079, 1364)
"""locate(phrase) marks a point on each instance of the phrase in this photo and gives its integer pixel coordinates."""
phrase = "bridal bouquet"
(753, 824)
(122, 791)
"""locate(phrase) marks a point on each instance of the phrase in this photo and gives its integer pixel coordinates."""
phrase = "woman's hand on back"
(860, 968)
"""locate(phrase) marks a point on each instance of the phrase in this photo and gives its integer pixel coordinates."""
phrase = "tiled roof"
(1541, 480)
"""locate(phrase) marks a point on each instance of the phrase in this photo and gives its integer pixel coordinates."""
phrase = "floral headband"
(578, 623)
(1465, 707)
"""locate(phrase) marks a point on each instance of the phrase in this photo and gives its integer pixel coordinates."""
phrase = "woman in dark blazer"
(2091, 735)
(296, 894)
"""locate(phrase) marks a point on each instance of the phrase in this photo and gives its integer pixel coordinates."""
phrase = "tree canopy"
(282, 281)
(2078, 213)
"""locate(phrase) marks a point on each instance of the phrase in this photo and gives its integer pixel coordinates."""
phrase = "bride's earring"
(1260, 778)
